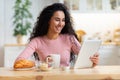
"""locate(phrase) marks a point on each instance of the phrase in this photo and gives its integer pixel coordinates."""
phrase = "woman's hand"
(95, 59)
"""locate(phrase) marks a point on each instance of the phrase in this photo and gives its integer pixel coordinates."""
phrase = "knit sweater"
(63, 45)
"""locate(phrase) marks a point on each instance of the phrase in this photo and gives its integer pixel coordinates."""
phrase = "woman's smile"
(58, 28)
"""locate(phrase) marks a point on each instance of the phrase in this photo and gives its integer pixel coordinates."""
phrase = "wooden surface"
(97, 73)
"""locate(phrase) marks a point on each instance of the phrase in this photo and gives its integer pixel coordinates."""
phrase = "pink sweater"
(63, 45)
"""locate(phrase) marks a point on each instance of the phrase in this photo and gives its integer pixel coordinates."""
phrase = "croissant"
(24, 64)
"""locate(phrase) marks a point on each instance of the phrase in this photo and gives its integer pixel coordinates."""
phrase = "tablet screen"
(88, 48)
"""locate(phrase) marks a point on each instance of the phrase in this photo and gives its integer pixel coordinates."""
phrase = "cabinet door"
(93, 5)
(73, 5)
(108, 55)
(11, 54)
(83, 5)
(115, 5)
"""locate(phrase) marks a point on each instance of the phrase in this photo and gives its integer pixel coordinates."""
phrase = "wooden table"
(97, 73)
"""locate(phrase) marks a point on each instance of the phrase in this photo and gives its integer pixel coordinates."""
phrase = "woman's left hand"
(95, 59)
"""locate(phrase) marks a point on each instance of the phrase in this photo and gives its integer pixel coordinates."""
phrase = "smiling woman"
(53, 33)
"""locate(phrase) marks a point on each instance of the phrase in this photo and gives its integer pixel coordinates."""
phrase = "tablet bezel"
(88, 48)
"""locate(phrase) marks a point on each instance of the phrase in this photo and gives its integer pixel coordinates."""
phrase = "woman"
(53, 34)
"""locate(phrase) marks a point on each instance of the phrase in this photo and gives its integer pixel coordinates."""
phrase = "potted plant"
(22, 16)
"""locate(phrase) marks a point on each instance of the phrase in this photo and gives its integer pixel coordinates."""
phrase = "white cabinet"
(92, 5)
(11, 51)
(109, 55)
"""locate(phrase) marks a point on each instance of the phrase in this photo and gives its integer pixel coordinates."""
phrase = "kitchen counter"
(111, 43)
(97, 73)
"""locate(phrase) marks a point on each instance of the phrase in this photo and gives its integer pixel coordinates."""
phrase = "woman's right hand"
(95, 59)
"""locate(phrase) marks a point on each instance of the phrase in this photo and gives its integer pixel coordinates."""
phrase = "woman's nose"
(60, 23)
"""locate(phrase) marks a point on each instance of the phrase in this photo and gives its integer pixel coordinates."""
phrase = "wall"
(96, 22)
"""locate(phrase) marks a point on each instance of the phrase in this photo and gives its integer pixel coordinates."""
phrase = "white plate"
(24, 69)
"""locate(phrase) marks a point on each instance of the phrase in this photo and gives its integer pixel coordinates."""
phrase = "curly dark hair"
(42, 25)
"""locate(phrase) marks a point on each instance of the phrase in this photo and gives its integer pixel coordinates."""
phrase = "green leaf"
(21, 17)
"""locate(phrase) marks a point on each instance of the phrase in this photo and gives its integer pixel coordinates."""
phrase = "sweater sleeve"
(75, 45)
(29, 50)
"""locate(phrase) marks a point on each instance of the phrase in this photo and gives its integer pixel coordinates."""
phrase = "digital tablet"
(88, 48)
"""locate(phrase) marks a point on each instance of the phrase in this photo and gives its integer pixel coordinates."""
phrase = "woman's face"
(57, 22)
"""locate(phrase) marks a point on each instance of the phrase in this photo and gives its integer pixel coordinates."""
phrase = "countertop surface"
(96, 73)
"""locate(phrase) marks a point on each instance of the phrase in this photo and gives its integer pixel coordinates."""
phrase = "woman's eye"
(57, 19)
